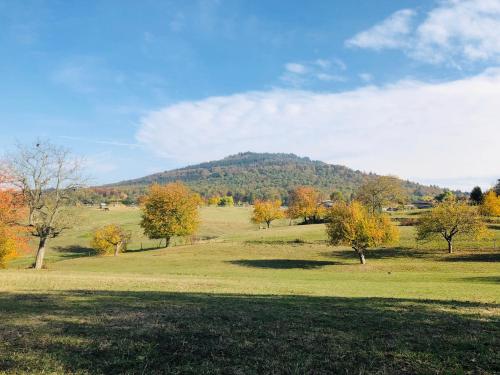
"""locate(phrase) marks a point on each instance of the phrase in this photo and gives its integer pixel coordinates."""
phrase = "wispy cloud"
(414, 129)
(455, 33)
(299, 74)
(101, 141)
(390, 33)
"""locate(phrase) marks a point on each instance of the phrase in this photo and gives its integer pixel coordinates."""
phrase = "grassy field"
(239, 300)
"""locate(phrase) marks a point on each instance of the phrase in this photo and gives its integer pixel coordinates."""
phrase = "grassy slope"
(224, 304)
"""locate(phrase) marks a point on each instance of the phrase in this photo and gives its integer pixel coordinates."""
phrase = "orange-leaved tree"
(110, 239)
(305, 202)
(266, 212)
(12, 211)
(170, 210)
(355, 226)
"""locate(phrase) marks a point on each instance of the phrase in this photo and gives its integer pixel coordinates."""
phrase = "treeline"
(248, 177)
(40, 183)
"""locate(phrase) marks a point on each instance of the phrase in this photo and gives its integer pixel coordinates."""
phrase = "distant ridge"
(249, 175)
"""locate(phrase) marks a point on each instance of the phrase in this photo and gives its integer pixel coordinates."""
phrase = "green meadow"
(236, 299)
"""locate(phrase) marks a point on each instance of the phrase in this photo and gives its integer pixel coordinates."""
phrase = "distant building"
(103, 206)
(327, 203)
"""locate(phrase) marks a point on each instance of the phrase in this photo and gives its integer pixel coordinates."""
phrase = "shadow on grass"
(271, 241)
(103, 332)
(75, 251)
(478, 257)
(283, 263)
(484, 279)
(140, 250)
(385, 253)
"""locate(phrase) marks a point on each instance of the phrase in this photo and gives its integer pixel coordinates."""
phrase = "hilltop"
(250, 175)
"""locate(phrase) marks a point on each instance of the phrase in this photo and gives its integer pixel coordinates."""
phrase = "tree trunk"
(268, 224)
(117, 249)
(40, 254)
(450, 247)
(167, 241)
(361, 256)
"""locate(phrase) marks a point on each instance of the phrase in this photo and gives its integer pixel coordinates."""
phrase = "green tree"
(476, 195)
(380, 191)
(170, 210)
(226, 201)
(355, 226)
(451, 219)
(110, 239)
(337, 196)
(445, 196)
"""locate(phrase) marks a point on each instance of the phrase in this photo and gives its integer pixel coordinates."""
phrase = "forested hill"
(249, 175)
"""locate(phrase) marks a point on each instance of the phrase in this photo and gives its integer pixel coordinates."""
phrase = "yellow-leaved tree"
(355, 226)
(170, 210)
(451, 219)
(490, 205)
(213, 201)
(266, 212)
(110, 239)
(305, 202)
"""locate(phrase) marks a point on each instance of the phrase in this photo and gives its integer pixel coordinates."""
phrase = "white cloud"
(467, 30)
(295, 68)
(455, 32)
(424, 131)
(330, 77)
(366, 77)
(390, 33)
(308, 72)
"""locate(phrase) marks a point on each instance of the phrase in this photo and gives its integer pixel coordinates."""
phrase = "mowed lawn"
(238, 300)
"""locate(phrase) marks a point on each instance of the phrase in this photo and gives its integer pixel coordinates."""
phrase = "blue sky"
(396, 87)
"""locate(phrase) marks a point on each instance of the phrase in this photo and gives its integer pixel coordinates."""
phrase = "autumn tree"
(380, 191)
(337, 196)
(476, 195)
(109, 239)
(451, 219)
(266, 212)
(490, 205)
(226, 201)
(305, 203)
(169, 210)
(47, 176)
(12, 211)
(445, 196)
(213, 201)
(356, 226)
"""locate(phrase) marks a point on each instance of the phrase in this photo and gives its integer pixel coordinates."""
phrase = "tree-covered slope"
(249, 175)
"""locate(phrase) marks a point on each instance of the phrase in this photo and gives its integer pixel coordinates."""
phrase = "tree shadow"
(283, 263)
(75, 251)
(383, 253)
(271, 241)
(478, 257)
(149, 248)
(484, 279)
(102, 332)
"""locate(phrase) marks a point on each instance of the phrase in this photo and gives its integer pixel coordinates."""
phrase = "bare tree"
(381, 190)
(47, 175)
